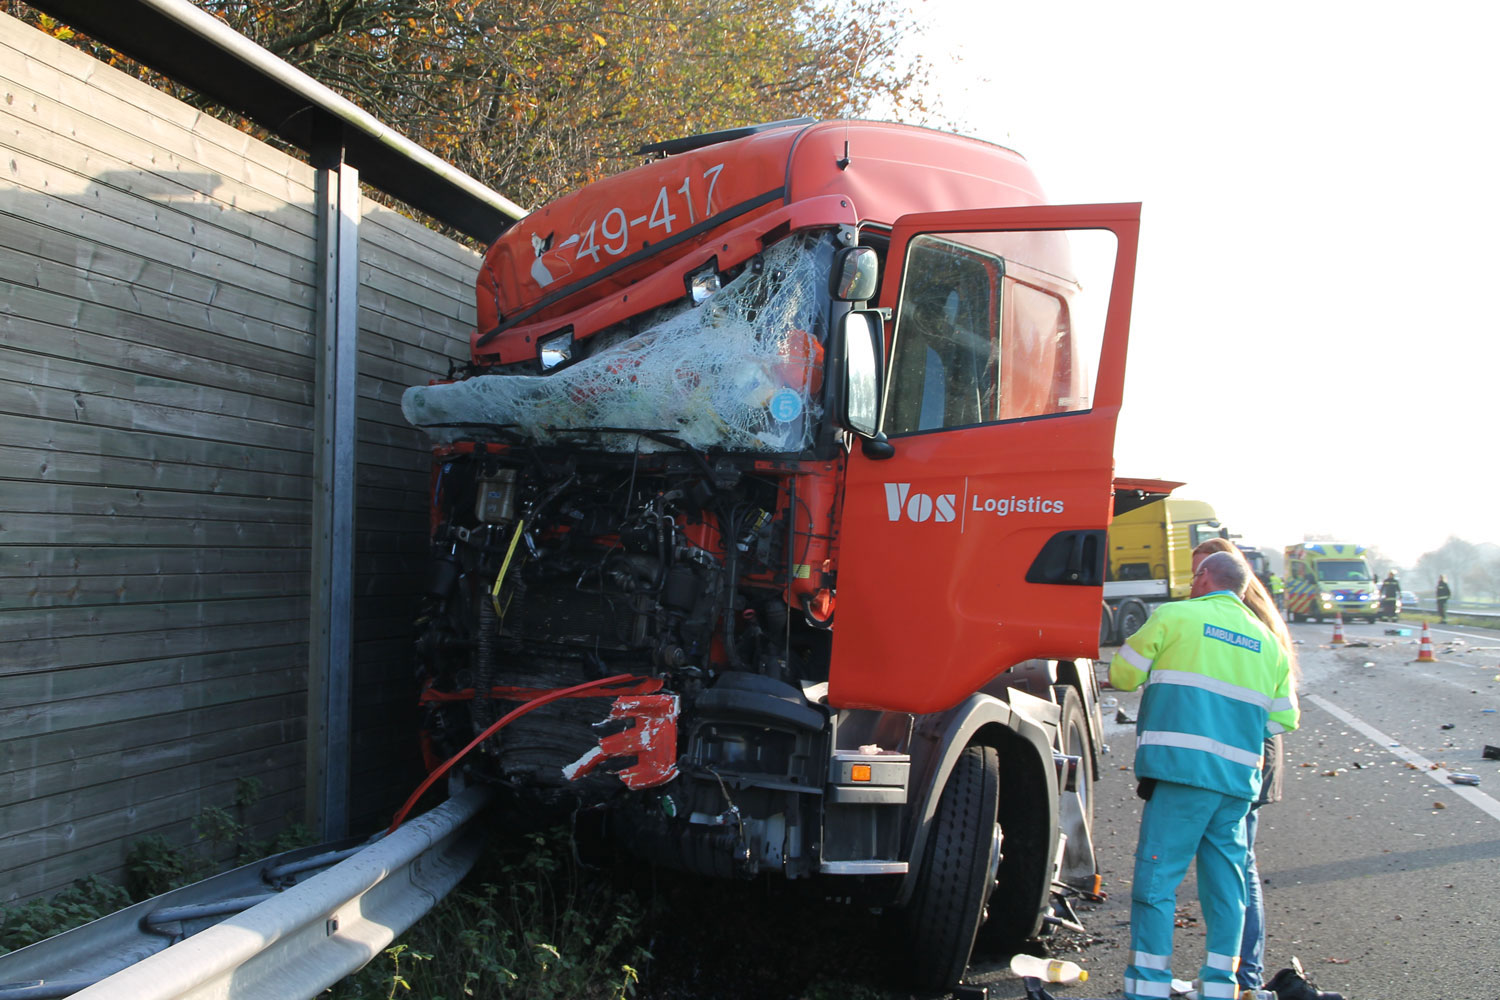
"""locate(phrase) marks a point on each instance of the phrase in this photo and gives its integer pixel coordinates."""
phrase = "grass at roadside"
(528, 923)
(531, 923)
(152, 866)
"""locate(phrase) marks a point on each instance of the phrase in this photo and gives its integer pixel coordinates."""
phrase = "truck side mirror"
(856, 272)
(864, 350)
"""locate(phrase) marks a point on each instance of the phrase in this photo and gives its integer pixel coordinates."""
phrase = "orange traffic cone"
(1338, 629)
(1424, 651)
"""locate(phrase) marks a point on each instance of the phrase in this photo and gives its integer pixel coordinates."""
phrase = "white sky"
(1320, 240)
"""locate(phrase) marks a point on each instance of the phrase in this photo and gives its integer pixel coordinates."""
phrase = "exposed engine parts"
(549, 571)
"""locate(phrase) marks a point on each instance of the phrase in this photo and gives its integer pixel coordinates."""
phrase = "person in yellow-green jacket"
(1216, 684)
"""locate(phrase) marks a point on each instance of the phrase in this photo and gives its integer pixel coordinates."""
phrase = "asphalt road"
(1380, 874)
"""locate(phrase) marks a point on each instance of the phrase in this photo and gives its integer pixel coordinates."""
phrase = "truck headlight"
(556, 350)
(1326, 597)
(704, 282)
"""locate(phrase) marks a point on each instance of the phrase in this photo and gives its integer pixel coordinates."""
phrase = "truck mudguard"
(1025, 761)
(1037, 677)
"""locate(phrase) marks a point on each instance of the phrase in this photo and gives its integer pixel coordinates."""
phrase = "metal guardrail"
(1415, 609)
(252, 935)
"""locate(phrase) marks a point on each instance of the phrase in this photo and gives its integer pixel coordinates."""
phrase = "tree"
(1452, 559)
(1380, 564)
(1483, 575)
(535, 97)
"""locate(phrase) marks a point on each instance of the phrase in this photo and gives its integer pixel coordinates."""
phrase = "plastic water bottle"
(1048, 970)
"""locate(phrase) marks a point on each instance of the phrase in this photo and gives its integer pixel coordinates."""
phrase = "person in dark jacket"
(1443, 593)
(1390, 595)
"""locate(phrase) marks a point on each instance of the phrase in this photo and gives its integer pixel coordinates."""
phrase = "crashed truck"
(795, 442)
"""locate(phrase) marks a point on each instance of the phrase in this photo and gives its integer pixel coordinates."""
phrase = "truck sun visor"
(743, 371)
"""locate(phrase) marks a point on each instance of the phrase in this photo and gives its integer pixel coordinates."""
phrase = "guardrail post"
(330, 660)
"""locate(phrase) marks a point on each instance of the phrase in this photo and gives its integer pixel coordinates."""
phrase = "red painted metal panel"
(587, 247)
(937, 540)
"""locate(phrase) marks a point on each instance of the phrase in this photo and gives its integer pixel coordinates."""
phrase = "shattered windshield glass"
(742, 371)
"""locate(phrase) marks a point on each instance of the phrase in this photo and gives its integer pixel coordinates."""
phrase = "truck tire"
(1106, 625)
(958, 872)
(1131, 617)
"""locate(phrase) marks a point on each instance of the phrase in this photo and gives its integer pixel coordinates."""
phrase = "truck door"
(980, 542)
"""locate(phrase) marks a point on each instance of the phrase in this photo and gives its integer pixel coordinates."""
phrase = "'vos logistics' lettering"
(1019, 505)
(919, 507)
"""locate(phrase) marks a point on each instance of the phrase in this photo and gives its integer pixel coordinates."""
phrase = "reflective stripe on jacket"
(1217, 683)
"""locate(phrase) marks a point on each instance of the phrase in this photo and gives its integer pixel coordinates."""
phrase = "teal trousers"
(1178, 824)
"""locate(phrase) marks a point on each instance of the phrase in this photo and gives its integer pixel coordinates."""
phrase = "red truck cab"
(807, 429)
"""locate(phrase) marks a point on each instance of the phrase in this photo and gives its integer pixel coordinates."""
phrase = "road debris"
(1491, 752)
(1446, 725)
(1438, 805)
(1463, 778)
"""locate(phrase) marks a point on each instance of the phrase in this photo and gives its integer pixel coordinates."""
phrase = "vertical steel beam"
(330, 660)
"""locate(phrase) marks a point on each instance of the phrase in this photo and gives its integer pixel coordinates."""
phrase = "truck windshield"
(997, 326)
(1343, 570)
(741, 371)
(1198, 533)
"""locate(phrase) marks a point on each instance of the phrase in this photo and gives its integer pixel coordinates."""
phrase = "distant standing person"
(1443, 593)
(1390, 595)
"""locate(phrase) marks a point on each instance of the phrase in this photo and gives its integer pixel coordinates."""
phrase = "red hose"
(514, 713)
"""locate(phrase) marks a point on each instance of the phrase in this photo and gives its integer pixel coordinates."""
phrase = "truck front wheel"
(958, 871)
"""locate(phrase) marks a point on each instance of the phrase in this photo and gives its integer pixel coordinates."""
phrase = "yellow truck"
(1150, 560)
(1324, 579)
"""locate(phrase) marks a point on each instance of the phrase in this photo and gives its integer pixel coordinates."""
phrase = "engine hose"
(505, 720)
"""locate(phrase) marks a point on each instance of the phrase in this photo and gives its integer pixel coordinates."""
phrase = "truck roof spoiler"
(672, 147)
(1133, 493)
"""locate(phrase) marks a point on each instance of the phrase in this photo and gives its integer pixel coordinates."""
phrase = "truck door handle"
(1070, 558)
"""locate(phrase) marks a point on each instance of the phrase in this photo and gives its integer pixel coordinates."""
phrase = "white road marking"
(1438, 774)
